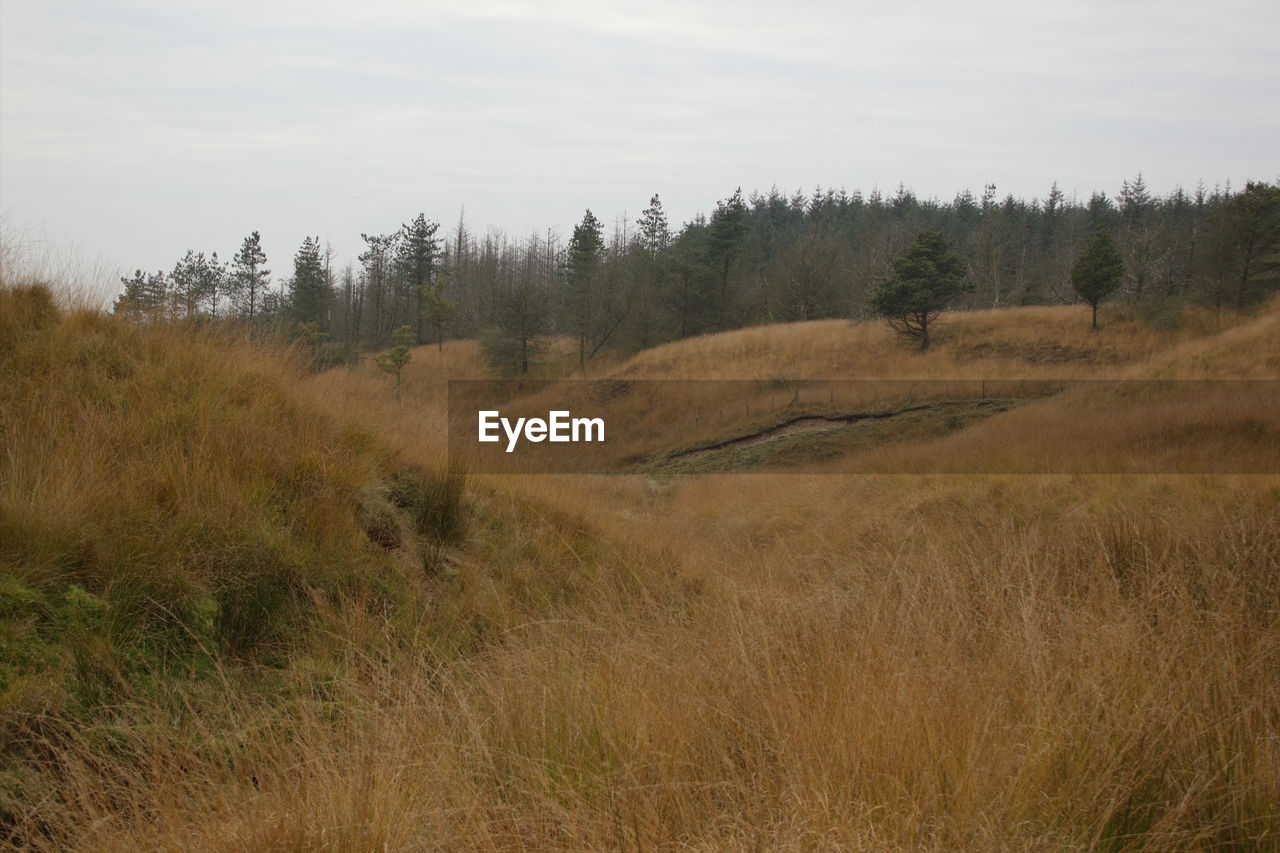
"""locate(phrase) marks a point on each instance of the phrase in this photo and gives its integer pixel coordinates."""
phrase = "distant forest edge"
(754, 260)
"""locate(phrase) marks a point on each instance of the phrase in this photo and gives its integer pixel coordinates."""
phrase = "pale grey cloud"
(141, 128)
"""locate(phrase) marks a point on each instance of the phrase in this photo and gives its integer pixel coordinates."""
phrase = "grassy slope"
(1009, 343)
(968, 662)
(190, 549)
(865, 662)
(1089, 430)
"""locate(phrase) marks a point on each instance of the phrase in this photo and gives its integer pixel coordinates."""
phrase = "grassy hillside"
(713, 662)
(190, 547)
(870, 402)
(1011, 343)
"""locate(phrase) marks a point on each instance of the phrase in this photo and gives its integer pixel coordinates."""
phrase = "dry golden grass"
(875, 662)
(1007, 357)
(1026, 675)
(1247, 351)
(1010, 343)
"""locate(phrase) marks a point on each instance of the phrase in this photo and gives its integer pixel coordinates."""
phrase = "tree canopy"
(926, 278)
(761, 257)
(248, 277)
(1098, 271)
(309, 293)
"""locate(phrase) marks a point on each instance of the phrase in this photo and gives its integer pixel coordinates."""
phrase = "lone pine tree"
(1098, 271)
(926, 277)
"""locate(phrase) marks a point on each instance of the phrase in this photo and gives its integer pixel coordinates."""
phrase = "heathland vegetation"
(247, 603)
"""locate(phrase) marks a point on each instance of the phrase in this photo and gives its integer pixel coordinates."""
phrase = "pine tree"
(926, 277)
(1098, 271)
(649, 277)
(415, 263)
(437, 311)
(518, 337)
(1254, 217)
(184, 284)
(197, 281)
(586, 249)
(377, 260)
(143, 298)
(725, 239)
(309, 295)
(248, 278)
(655, 233)
(1139, 236)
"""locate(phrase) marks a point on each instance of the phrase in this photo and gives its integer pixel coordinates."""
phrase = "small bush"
(433, 501)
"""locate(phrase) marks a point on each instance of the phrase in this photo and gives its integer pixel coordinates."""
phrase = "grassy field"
(247, 607)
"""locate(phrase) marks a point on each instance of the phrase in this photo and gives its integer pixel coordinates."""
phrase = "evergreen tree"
(1254, 217)
(518, 336)
(586, 249)
(415, 262)
(248, 278)
(377, 259)
(690, 283)
(1139, 235)
(143, 298)
(197, 280)
(184, 284)
(649, 274)
(345, 318)
(1101, 211)
(655, 233)
(437, 311)
(926, 278)
(990, 243)
(724, 244)
(213, 282)
(1214, 271)
(309, 295)
(1098, 271)
(394, 360)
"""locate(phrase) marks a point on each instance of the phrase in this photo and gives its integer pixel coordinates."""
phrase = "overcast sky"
(137, 129)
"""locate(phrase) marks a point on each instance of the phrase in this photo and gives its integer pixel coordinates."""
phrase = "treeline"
(758, 259)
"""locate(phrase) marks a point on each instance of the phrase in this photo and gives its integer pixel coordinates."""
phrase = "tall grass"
(34, 256)
(867, 662)
(171, 514)
(1033, 676)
